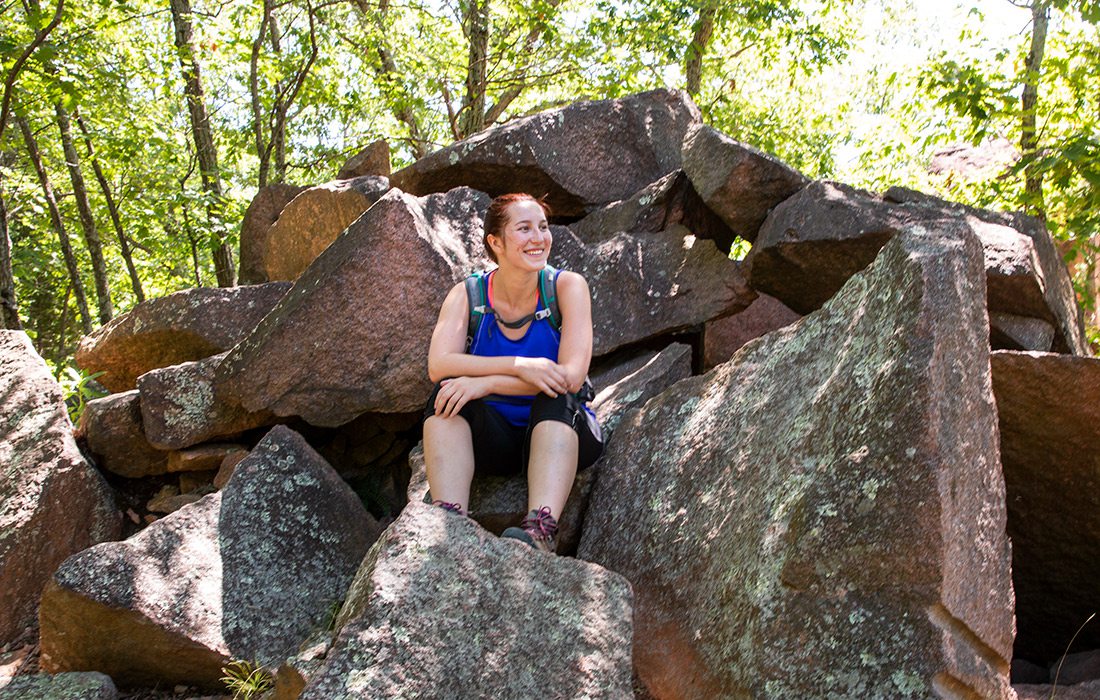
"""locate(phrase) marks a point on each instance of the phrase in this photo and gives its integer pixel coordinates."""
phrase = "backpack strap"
(477, 302)
(548, 292)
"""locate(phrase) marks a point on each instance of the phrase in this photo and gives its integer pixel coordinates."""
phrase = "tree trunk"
(112, 208)
(205, 148)
(87, 221)
(58, 224)
(8, 302)
(700, 41)
(1029, 136)
(475, 24)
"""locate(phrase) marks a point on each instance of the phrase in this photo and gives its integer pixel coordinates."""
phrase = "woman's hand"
(456, 393)
(548, 376)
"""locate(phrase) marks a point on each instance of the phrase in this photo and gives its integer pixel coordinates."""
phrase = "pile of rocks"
(825, 512)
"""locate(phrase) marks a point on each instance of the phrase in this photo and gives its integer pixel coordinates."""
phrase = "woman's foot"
(455, 508)
(539, 530)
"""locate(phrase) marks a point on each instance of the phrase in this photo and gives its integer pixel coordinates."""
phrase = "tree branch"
(13, 74)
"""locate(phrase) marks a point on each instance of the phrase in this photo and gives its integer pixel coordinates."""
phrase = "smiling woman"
(511, 386)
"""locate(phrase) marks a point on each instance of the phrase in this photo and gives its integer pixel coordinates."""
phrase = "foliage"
(78, 388)
(246, 680)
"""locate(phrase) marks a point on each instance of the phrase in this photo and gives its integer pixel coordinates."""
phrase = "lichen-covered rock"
(649, 284)
(855, 545)
(180, 327)
(313, 220)
(60, 686)
(180, 407)
(566, 153)
(738, 182)
(262, 212)
(1049, 411)
(246, 573)
(725, 336)
(374, 159)
(640, 381)
(657, 206)
(817, 239)
(442, 609)
(352, 335)
(1012, 332)
(112, 428)
(52, 502)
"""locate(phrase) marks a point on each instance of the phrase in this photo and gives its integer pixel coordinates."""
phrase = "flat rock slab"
(246, 573)
(352, 335)
(739, 183)
(52, 502)
(313, 220)
(566, 153)
(262, 212)
(440, 608)
(1049, 411)
(817, 239)
(823, 515)
(112, 428)
(61, 686)
(180, 406)
(180, 327)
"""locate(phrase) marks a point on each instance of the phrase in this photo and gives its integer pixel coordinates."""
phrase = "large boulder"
(725, 336)
(738, 182)
(52, 502)
(180, 407)
(202, 586)
(817, 239)
(582, 156)
(112, 428)
(648, 284)
(823, 515)
(61, 686)
(262, 212)
(180, 327)
(1049, 410)
(313, 220)
(352, 335)
(440, 608)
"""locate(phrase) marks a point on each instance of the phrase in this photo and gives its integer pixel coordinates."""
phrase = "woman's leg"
(449, 459)
(552, 466)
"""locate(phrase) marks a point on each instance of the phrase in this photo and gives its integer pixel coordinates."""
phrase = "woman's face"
(526, 241)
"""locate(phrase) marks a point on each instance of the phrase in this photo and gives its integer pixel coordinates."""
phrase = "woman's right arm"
(447, 356)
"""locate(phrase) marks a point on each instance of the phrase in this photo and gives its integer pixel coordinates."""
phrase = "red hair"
(497, 216)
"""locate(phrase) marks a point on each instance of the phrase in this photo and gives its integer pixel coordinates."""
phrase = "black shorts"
(500, 448)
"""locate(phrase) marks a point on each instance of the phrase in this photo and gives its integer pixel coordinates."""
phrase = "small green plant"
(78, 389)
(247, 679)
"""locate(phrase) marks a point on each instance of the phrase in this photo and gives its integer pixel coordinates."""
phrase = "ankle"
(455, 508)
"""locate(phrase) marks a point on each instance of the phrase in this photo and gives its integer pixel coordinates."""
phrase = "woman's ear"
(495, 243)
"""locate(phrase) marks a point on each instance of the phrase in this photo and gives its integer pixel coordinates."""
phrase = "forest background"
(134, 133)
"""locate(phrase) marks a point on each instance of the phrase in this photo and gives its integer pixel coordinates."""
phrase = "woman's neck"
(514, 289)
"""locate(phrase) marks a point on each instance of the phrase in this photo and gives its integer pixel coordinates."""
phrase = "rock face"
(62, 686)
(52, 502)
(816, 240)
(199, 587)
(352, 335)
(372, 160)
(440, 608)
(649, 284)
(180, 327)
(637, 382)
(565, 152)
(851, 545)
(113, 430)
(313, 220)
(1049, 410)
(180, 406)
(725, 336)
(738, 182)
(258, 218)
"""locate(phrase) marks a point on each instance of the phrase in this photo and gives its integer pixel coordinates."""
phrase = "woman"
(510, 399)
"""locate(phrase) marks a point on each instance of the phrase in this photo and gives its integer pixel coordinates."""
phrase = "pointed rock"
(374, 159)
(440, 608)
(180, 327)
(738, 182)
(264, 211)
(725, 336)
(52, 502)
(313, 220)
(198, 588)
(856, 546)
(565, 153)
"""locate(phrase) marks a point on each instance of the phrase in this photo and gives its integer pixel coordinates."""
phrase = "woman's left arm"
(575, 304)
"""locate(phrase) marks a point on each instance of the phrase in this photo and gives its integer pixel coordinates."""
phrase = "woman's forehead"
(525, 211)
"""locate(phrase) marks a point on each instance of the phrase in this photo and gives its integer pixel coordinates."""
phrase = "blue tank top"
(540, 339)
